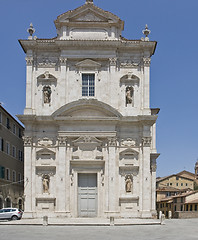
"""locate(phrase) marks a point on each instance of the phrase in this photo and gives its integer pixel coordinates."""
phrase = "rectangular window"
(14, 176)
(186, 207)
(19, 177)
(2, 172)
(13, 151)
(88, 84)
(186, 184)
(196, 207)
(177, 184)
(7, 148)
(177, 178)
(20, 133)
(7, 174)
(20, 155)
(181, 184)
(191, 207)
(1, 144)
(8, 123)
(14, 128)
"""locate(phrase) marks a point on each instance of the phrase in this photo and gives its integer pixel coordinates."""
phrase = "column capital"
(146, 61)
(29, 61)
(62, 141)
(112, 61)
(27, 141)
(63, 60)
(146, 141)
(112, 142)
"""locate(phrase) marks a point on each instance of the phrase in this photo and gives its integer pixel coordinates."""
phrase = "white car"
(11, 213)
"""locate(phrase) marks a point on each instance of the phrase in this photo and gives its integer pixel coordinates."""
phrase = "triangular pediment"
(128, 152)
(45, 151)
(88, 63)
(89, 16)
(87, 139)
(88, 13)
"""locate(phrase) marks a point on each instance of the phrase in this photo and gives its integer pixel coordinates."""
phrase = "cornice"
(144, 119)
(55, 44)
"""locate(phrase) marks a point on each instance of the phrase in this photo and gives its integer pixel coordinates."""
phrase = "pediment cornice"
(88, 13)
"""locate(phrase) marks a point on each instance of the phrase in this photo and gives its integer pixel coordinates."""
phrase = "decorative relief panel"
(45, 142)
(47, 61)
(45, 170)
(129, 63)
(129, 142)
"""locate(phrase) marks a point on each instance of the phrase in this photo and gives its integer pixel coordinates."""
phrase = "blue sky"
(174, 84)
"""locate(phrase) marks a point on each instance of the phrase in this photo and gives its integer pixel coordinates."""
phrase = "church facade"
(90, 134)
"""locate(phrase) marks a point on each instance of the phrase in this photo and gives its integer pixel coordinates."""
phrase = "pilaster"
(146, 178)
(29, 84)
(63, 86)
(113, 83)
(146, 90)
(28, 172)
(112, 176)
(60, 178)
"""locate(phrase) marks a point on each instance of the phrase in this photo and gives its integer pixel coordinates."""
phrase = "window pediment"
(129, 78)
(88, 63)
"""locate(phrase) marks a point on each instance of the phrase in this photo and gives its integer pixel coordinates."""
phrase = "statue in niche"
(47, 94)
(128, 183)
(129, 95)
(46, 180)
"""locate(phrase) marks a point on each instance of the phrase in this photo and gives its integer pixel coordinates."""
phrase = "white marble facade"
(90, 138)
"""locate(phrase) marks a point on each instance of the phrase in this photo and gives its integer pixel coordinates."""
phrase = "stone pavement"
(174, 229)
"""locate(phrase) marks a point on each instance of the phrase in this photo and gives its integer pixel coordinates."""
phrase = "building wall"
(11, 160)
(69, 134)
(176, 182)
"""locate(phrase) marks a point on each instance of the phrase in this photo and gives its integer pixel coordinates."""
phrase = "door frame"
(96, 199)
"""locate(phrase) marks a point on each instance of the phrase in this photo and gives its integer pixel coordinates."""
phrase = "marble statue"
(129, 94)
(47, 94)
(128, 184)
(46, 184)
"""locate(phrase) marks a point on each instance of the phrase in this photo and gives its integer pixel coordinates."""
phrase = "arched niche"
(129, 84)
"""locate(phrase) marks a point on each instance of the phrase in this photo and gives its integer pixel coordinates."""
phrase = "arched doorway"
(20, 204)
(1, 202)
(8, 202)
